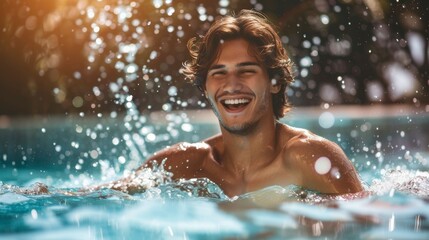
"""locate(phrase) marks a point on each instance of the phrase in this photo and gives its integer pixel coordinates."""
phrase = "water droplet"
(121, 159)
(131, 68)
(77, 102)
(77, 75)
(114, 87)
(167, 107)
(335, 173)
(157, 3)
(58, 148)
(187, 127)
(170, 11)
(153, 55)
(34, 214)
(326, 120)
(151, 137)
(93, 154)
(172, 91)
(167, 78)
(305, 62)
(119, 65)
(115, 141)
(322, 165)
(324, 19)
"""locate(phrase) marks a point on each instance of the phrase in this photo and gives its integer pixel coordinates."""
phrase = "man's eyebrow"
(244, 64)
(218, 66)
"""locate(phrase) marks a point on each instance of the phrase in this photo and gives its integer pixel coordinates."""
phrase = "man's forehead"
(237, 50)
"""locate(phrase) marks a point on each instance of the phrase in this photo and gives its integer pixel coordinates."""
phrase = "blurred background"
(103, 56)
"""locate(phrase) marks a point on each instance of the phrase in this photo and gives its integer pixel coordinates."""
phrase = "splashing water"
(198, 209)
(406, 181)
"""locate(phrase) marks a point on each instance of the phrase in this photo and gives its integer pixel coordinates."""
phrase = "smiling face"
(238, 88)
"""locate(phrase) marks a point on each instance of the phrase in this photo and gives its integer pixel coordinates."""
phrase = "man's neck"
(245, 154)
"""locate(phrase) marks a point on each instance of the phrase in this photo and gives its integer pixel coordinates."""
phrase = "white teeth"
(237, 101)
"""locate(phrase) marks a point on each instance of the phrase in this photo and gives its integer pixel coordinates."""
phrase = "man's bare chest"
(274, 173)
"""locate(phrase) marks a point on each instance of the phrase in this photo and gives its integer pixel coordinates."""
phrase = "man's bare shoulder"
(320, 161)
(182, 158)
(179, 151)
(304, 147)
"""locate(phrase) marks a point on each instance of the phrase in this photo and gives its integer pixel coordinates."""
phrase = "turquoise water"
(179, 211)
(41, 194)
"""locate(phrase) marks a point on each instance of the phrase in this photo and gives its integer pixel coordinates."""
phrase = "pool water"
(181, 211)
(43, 196)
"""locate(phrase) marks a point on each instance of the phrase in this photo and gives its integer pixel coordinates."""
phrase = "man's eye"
(247, 71)
(217, 74)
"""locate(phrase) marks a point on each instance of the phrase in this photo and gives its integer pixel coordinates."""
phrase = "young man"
(243, 70)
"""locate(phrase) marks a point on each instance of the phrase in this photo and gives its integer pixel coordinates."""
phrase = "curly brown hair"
(255, 28)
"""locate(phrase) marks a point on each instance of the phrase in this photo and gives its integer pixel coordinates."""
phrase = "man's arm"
(182, 160)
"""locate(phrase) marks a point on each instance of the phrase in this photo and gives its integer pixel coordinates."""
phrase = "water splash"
(186, 189)
(406, 181)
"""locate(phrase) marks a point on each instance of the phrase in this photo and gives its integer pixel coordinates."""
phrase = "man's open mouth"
(236, 104)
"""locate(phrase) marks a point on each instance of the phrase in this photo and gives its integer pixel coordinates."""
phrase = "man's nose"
(233, 83)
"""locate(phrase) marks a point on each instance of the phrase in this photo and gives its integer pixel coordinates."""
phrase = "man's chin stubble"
(241, 130)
